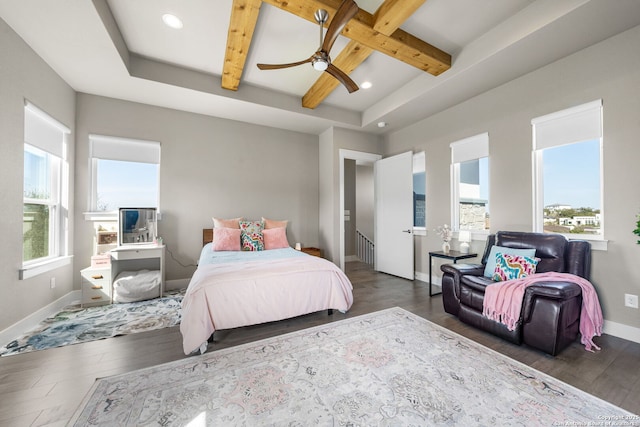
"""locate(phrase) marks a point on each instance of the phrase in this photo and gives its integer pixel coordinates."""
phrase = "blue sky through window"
(126, 184)
(572, 175)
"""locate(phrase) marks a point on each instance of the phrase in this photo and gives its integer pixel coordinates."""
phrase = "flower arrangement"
(444, 232)
(637, 230)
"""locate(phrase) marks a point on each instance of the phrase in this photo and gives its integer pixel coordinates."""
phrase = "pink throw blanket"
(503, 303)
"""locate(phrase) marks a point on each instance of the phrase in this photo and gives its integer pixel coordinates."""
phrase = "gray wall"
(23, 75)
(608, 71)
(364, 200)
(209, 167)
(331, 142)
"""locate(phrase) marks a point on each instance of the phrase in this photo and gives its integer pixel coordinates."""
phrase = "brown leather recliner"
(550, 316)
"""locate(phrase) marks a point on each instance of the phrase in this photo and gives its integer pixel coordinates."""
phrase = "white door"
(393, 219)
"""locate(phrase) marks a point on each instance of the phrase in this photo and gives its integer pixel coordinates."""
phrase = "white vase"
(446, 247)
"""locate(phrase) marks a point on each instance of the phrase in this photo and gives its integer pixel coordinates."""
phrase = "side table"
(451, 255)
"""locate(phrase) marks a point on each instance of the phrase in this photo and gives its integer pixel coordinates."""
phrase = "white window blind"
(580, 123)
(124, 149)
(474, 147)
(43, 132)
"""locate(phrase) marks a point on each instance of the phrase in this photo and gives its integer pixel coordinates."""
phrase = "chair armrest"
(463, 269)
(551, 291)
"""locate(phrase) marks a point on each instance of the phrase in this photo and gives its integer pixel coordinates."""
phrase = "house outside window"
(419, 192)
(567, 162)
(470, 184)
(124, 173)
(45, 193)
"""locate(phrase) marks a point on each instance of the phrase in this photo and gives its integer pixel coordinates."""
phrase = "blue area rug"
(76, 325)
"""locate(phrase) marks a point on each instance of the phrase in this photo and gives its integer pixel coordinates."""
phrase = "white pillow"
(491, 259)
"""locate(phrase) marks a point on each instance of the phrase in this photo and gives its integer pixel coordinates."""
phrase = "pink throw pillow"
(226, 239)
(275, 238)
(272, 223)
(227, 223)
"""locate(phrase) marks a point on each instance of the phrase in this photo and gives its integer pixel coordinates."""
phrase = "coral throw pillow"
(251, 238)
(227, 223)
(226, 239)
(272, 223)
(509, 267)
(275, 238)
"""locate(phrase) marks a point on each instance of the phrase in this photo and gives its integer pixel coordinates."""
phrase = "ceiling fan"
(321, 60)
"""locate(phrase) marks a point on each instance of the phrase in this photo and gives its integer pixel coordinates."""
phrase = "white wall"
(24, 75)
(209, 167)
(608, 70)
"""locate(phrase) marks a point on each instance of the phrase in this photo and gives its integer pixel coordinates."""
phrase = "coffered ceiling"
(122, 49)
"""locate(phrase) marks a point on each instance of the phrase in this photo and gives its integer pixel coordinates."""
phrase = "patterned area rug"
(389, 368)
(75, 324)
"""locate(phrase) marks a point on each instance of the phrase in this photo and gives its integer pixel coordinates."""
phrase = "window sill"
(108, 216)
(419, 231)
(32, 270)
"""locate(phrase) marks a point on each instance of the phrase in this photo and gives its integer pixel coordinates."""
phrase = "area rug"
(388, 368)
(76, 325)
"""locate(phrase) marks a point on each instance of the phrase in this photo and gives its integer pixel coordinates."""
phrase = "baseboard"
(176, 284)
(619, 330)
(424, 277)
(31, 321)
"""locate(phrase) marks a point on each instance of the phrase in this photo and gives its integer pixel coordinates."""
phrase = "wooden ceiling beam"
(387, 19)
(244, 16)
(399, 44)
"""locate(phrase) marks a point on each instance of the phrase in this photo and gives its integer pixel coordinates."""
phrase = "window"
(470, 183)
(45, 193)
(567, 161)
(419, 191)
(124, 173)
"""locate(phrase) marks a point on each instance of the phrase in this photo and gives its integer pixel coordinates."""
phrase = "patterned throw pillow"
(510, 267)
(251, 238)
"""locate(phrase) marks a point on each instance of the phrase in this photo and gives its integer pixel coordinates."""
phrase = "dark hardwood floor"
(46, 387)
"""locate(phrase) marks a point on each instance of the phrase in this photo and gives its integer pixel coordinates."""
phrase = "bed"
(231, 289)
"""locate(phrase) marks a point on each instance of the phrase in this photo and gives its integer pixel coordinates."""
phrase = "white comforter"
(231, 294)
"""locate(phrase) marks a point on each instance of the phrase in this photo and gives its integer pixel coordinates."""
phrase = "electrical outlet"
(52, 282)
(631, 300)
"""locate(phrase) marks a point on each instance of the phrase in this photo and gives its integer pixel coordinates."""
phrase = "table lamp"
(464, 237)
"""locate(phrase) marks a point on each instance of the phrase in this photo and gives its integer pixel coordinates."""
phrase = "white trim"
(31, 270)
(422, 277)
(471, 148)
(620, 330)
(358, 156)
(31, 321)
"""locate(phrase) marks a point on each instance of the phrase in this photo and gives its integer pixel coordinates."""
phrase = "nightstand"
(312, 251)
(96, 286)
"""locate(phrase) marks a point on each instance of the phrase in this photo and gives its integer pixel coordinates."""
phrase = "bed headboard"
(207, 236)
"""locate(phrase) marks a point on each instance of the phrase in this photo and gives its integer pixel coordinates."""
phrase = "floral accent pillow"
(509, 267)
(251, 238)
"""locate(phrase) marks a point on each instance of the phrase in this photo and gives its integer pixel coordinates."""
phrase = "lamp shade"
(464, 237)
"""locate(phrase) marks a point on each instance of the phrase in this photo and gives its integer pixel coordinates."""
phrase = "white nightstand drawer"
(96, 286)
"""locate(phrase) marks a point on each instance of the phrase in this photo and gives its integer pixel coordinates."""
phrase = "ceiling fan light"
(320, 65)
(366, 85)
(172, 21)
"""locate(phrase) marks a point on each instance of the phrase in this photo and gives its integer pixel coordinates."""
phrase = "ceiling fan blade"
(347, 10)
(342, 77)
(278, 66)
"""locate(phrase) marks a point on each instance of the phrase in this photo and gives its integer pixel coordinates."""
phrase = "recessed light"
(366, 85)
(382, 124)
(172, 21)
